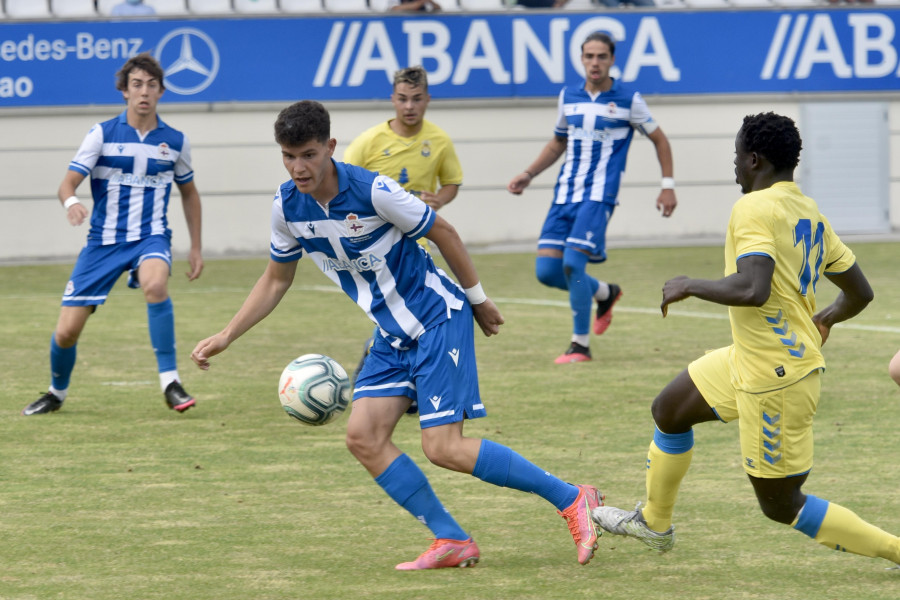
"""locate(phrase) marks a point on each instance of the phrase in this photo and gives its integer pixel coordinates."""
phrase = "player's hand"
(824, 330)
(488, 317)
(666, 202)
(76, 214)
(206, 349)
(195, 261)
(430, 199)
(674, 290)
(519, 183)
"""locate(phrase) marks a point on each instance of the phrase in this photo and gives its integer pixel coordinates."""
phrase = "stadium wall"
(497, 124)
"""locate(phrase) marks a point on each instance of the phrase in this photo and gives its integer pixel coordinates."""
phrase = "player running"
(360, 229)
(777, 248)
(132, 161)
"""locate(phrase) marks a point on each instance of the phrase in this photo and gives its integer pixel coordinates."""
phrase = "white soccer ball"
(314, 389)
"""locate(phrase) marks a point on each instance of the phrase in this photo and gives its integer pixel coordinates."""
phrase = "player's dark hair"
(143, 61)
(302, 122)
(774, 136)
(412, 76)
(599, 36)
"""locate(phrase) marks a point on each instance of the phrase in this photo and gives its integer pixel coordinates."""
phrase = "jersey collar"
(123, 118)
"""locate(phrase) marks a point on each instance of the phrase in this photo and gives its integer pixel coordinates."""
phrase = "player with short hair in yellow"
(778, 246)
(414, 152)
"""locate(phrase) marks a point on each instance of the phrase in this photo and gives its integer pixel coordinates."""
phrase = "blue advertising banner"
(466, 55)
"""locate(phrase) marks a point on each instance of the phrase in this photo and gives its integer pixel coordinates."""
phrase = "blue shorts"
(579, 225)
(439, 373)
(98, 268)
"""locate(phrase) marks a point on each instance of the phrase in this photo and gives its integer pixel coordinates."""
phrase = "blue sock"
(549, 271)
(581, 289)
(504, 467)
(407, 485)
(161, 321)
(62, 361)
(810, 518)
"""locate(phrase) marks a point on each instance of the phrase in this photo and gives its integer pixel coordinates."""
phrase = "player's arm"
(445, 237)
(190, 201)
(443, 197)
(549, 155)
(855, 295)
(76, 212)
(264, 297)
(665, 202)
(750, 286)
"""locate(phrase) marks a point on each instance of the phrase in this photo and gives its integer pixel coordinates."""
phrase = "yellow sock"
(664, 474)
(839, 528)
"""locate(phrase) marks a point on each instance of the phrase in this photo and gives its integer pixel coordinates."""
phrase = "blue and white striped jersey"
(598, 129)
(131, 178)
(364, 240)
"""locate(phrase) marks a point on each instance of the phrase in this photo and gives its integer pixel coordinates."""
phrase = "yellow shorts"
(776, 426)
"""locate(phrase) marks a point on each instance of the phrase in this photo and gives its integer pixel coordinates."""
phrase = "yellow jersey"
(777, 344)
(417, 163)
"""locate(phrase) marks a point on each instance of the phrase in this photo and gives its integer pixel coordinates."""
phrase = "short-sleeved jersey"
(598, 129)
(417, 163)
(131, 178)
(364, 240)
(777, 344)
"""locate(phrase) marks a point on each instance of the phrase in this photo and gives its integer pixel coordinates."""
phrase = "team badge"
(612, 108)
(164, 151)
(355, 227)
(426, 148)
(70, 288)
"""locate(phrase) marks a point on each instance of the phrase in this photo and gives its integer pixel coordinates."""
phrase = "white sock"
(61, 394)
(583, 339)
(602, 292)
(168, 377)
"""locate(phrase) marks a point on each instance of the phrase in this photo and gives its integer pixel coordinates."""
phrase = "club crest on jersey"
(612, 108)
(426, 148)
(164, 151)
(355, 227)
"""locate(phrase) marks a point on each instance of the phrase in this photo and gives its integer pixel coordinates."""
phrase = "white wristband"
(475, 294)
(668, 183)
(71, 201)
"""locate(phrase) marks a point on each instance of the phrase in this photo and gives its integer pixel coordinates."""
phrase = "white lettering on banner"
(416, 30)
(361, 47)
(86, 47)
(526, 41)
(878, 44)
(375, 38)
(479, 36)
(20, 87)
(649, 34)
(873, 40)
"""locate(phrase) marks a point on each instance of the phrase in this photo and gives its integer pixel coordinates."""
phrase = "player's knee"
(155, 291)
(780, 510)
(549, 271)
(894, 368)
(665, 416)
(66, 337)
(360, 445)
(443, 454)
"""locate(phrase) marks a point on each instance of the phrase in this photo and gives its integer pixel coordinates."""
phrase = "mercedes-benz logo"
(190, 60)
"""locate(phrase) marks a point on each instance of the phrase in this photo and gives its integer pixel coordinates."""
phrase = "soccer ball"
(314, 389)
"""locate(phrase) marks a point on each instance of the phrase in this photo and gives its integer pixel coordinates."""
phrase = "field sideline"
(115, 497)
